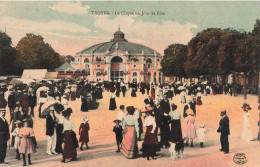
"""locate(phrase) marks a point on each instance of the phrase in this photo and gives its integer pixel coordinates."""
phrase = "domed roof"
(131, 48)
(118, 32)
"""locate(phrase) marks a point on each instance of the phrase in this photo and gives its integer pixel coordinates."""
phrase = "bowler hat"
(117, 121)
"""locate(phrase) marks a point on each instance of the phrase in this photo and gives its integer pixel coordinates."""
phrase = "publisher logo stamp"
(240, 158)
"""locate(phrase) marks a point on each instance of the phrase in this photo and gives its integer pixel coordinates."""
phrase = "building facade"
(120, 60)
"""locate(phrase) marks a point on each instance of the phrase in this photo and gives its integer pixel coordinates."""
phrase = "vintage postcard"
(129, 83)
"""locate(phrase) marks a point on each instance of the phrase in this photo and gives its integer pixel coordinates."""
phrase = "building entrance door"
(116, 69)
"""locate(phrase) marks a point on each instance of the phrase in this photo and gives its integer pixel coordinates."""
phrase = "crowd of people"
(160, 119)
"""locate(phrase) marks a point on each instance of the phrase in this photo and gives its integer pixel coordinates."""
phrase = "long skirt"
(112, 105)
(149, 144)
(73, 96)
(199, 102)
(84, 106)
(140, 123)
(133, 93)
(153, 93)
(176, 133)
(129, 144)
(183, 99)
(69, 150)
(26, 146)
(59, 129)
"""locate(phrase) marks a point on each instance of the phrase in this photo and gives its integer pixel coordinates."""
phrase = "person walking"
(4, 135)
(83, 132)
(51, 132)
(190, 128)
(224, 131)
(247, 131)
(176, 132)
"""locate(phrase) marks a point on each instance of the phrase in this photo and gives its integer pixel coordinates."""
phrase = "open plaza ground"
(103, 144)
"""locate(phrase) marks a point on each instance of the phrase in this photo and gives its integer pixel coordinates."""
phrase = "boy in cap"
(118, 131)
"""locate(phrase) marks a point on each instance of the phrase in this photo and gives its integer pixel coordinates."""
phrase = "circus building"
(119, 59)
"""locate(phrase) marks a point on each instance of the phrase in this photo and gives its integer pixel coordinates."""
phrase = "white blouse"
(68, 125)
(148, 121)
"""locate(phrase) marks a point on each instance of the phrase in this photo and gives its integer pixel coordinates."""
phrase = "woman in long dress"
(190, 128)
(130, 134)
(153, 93)
(112, 104)
(73, 94)
(70, 141)
(176, 132)
(183, 97)
(247, 131)
(59, 127)
(199, 102)
(165, 120)
(84, 103)
(149, 144)
(26, 146)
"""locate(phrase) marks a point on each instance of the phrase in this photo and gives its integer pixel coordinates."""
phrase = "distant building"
(119, 60)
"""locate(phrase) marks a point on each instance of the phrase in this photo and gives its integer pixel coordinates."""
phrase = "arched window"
(154, 77)
(86, 60)
(116, 59)
(134, 76)
(149, 77)
(98, 74)
(149, 63)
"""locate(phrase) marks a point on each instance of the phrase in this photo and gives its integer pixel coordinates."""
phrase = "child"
(201, 135)
(15, 133)
(26, 145)
(118, 131)
(83, 132)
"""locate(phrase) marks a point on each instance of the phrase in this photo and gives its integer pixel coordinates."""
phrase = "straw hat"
(189, 112)
(246, 107)
(117, 121)
(17, 122)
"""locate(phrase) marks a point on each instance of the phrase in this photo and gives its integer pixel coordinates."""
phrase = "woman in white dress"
(247, 131)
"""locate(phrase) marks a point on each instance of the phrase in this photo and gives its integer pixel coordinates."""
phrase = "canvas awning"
(38, 74)
(64, 67)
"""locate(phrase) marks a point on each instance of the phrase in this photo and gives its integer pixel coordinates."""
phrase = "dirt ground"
(103, 145)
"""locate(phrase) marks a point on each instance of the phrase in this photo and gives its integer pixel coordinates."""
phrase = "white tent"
(34, 74)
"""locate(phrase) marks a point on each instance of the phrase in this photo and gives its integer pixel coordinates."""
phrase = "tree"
(173, 60)
(202, 53)
(34, 53)
(69, 58)
(7, 55)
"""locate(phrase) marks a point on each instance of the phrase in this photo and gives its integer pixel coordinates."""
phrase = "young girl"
(118, 131)
(15, 133)
(83, 132)
(26, 146)
(201, 135)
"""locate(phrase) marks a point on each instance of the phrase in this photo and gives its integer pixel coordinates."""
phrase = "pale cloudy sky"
(71, 26)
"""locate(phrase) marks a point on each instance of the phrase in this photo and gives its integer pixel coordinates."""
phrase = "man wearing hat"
(51, 132)
(224, 132)
(4, 135)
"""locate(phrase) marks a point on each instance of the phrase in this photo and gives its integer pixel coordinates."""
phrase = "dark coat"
(11, 101)
(50, 125)
(224, 126)
(4, 131)
(32, 100)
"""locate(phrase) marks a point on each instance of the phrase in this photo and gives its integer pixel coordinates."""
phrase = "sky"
(72, 26)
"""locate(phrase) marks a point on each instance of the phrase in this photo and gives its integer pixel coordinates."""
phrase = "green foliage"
(7, 54)
(173, 61)
(69, 58)
(34, 53)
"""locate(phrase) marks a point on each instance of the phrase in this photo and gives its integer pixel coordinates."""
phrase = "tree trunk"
(244, 89)
(223, 83)
(234, 83)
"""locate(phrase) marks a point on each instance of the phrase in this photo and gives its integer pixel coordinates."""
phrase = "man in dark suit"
(4, 135)
(11, 102)
(51, 132)
(224, 132)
